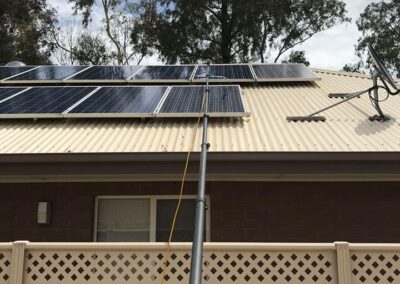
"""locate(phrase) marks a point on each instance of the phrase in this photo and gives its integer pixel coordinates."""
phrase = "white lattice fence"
(375, 265)
(223, 263)
(5, 263)
(144, 264)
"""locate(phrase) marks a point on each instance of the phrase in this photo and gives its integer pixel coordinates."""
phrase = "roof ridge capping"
(341, 73)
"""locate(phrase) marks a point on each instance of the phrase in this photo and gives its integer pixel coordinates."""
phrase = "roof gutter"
(213, 156)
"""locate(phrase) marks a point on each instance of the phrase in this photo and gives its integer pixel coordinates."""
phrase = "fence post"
(343, 262)
(17, 262)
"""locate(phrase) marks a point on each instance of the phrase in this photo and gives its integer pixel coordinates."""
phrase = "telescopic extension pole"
(197, 248)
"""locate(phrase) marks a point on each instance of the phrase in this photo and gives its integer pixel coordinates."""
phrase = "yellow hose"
(168, 249)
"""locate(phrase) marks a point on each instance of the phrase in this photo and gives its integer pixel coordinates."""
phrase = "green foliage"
(91, 50)
(236, 30)
(380, 27)
(354, 68)
(298, 56)
(24, 28)
(224, 31)
(86, 7)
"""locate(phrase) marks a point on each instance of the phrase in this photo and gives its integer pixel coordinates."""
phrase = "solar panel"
(96, 73)
(229, 72)
(124, 101)
(6, 72)
(43, 101)
(119, 101)
(283, 73)
(8, 92)
(188, 100)
(47, 73)
(165, 73)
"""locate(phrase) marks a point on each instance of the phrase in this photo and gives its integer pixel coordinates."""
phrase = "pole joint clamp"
(202, 201)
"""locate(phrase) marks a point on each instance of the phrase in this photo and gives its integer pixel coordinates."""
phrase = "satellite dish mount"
(380, 72)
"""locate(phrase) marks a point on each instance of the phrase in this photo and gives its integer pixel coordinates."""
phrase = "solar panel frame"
(245, 113)
(227, 80)
(15, 80)
(260, 79)
(73, 80)
(36, 115)
(132, 78)
(70, 114)
(25, 68)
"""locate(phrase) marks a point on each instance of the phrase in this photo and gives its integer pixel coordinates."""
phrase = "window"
(144, 219)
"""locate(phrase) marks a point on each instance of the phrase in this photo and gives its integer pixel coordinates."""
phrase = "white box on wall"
(43, 214)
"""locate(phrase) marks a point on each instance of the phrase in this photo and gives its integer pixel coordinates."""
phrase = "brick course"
(240, 211)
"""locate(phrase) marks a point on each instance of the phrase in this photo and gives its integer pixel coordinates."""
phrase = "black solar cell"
(225, 99)
(228, 71)
(283, 72)
(48, 73)
(122, 100)
(177, 72)
(189, 99)
(44, 100)
(106, 73)
(183, 99)
(6, 72)
(7, 92)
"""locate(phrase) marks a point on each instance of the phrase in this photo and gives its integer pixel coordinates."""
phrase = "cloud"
(334, 48)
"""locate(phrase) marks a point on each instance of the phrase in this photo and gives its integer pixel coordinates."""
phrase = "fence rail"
(143, 263)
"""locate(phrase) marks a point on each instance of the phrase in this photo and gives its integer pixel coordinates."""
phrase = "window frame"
(153, 211)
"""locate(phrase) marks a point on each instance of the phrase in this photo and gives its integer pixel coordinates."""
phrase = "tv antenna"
(379, 72)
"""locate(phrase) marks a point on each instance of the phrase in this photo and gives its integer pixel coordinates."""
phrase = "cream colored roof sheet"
(347, 127)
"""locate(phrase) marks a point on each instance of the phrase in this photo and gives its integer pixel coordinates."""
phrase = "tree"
(354, 68)
(380, 27)
(298, 56)
(236, 30)
(91, 50)
(224, 31)
(120, 17)
(24, 27)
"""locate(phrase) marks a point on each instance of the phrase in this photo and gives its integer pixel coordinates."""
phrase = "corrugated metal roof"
(347, 127)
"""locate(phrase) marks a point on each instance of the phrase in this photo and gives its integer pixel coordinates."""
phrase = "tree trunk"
(225, 34)
(263, 43)
(106, 6)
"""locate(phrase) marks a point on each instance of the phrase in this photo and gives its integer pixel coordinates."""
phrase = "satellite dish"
(380, 72)
(15, 64)
(380, 68)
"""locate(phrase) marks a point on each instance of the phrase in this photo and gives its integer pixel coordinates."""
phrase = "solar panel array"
(64, 95)
(228, 73)
(118, 101)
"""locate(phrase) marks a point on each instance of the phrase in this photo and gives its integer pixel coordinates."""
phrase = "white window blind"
(122, 220)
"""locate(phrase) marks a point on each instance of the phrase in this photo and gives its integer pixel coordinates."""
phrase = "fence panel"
(223, 263)
(5, 262)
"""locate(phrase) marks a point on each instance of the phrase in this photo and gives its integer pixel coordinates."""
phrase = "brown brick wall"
(240, 211)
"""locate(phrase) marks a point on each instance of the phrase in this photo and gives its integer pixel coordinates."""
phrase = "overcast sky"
(331, 49)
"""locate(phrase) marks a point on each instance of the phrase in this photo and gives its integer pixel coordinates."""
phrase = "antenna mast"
(197, 248)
